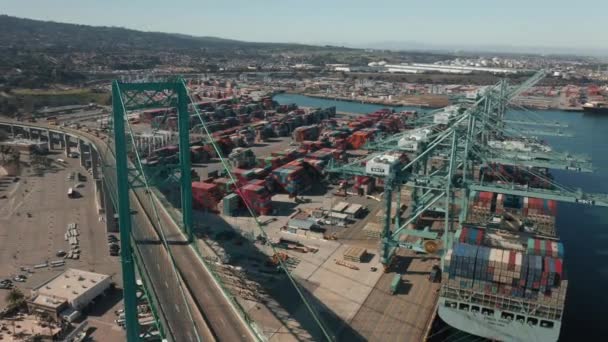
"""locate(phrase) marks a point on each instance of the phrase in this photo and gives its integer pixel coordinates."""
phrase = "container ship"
(504, 277)
(596, 107)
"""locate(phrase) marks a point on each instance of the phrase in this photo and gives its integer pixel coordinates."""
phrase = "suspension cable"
(255, 217)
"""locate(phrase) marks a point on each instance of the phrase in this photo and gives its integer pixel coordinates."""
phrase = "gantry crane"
(463, 142)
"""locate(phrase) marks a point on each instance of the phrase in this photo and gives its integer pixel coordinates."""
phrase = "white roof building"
(76, 287)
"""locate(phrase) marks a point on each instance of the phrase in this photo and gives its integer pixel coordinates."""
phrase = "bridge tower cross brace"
(133, 96)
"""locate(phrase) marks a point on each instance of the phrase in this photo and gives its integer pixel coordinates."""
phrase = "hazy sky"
(553, 23)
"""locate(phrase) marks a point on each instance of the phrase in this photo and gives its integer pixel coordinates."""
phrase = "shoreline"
(406, 104)
(372, 102)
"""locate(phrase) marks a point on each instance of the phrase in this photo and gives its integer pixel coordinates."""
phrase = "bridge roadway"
(214, 318)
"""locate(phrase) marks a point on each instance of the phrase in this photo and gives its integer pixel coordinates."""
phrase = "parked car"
(6, 284)
(20, 278)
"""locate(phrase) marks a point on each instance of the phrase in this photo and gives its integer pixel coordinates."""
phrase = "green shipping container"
(530, 246)
(543, 247)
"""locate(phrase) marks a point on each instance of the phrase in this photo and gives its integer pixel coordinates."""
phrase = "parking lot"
(34, 219)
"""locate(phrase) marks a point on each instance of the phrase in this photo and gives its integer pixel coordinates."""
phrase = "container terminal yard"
(260, 221)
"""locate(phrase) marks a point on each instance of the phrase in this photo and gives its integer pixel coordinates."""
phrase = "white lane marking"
(176, 308)
(166, 284)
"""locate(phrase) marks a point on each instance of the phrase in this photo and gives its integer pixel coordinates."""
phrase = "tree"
(15, 298)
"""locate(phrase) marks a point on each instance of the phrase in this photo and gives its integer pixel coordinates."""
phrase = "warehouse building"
(67, 293)
(305, 227)
(353, 211)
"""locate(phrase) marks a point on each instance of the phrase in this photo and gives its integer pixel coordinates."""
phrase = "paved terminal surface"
(27, 241)
(405, 315)
(353, 302)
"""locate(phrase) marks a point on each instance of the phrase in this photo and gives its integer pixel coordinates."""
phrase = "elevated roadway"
(213, 316)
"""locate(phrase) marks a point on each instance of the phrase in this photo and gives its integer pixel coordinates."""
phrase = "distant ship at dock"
(596, 107)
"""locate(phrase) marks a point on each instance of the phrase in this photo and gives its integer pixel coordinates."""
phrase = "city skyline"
(542, 26)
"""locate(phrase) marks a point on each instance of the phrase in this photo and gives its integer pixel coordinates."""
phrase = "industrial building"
(305, 227)
(67, 293)
(64, 109)
(416, 68)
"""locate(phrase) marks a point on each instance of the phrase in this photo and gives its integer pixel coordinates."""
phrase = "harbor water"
(583, 229)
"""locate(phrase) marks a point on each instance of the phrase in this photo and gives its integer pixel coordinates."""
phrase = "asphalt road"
(213, 317)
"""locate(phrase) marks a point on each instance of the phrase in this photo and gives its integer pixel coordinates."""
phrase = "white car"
(20, 278)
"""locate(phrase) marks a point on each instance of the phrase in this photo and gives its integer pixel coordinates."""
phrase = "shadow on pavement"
(260, 280)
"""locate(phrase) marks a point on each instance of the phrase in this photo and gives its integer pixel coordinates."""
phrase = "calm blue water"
(341, 106)
(583, 229)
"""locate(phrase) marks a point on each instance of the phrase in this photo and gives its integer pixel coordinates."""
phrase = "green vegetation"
(15, 298)
(51, 97)
(30, 100)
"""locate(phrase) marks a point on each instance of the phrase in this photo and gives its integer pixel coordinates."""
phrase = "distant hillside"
(36, 35)
(37, 54)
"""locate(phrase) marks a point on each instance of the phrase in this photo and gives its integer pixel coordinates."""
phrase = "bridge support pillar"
(94, 158)
(66, 144)
(49, 140)
(81, 152)
(108, 208)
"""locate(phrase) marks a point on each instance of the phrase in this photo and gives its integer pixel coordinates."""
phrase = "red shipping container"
(537, 246)
(479, 237)
(463, 235)
(511, 260)
(558, 267)
(486, 196)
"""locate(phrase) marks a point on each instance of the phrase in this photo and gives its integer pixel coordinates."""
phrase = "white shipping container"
(448, 256)
(518, 259)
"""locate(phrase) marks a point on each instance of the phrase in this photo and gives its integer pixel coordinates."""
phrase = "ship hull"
(493, 326)
(595, 110)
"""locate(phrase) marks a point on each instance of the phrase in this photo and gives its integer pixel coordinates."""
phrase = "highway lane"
(156, 259)
(175, 304)
(217, 312)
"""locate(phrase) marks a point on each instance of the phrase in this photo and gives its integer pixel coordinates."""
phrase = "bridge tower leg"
(184, 158)
(124, 216)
